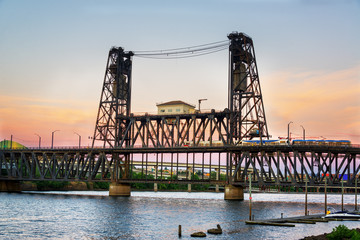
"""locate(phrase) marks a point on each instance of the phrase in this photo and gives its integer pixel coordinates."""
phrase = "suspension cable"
(186, 52)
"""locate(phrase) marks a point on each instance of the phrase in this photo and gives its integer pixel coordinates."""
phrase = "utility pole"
(200, 100)
(303, 132)
(288, 133)
(39, 139)
(52, 138)
(79, 139)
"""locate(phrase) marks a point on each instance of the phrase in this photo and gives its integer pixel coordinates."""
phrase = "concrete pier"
(119, 189)
(234, 192)
(155, 187)
(10, 186)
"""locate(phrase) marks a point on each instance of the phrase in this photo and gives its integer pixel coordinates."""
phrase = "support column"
(217, 170)
(119, 189)
(234, 192)
(10, 186)
(155, 184)
(155, 187)
(189, 178)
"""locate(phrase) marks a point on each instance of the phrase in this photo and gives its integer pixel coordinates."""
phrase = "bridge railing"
(200, 145)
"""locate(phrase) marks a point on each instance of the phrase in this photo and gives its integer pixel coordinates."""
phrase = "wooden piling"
(306, 192)
(356, 206)
(179, 230)
(250, 198)
(325, 195)
(342, 195)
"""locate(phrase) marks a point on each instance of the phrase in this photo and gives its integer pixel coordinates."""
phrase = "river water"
(157, 215)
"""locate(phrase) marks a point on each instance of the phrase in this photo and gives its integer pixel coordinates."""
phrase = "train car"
(204, 143)
(258, 142)
(321, 142)
(338, 142)
(304, 142)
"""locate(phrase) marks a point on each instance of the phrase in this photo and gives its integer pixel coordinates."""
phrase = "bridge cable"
(186, 52)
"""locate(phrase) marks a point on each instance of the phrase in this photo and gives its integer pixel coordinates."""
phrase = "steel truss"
(167, 131)
(269, 165)
(115, 98)
(295, 166)
(245, 97)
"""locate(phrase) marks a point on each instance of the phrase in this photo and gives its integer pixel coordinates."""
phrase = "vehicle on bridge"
(321, 142)
(270, 142)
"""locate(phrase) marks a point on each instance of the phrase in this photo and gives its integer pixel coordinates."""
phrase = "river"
(157, 215)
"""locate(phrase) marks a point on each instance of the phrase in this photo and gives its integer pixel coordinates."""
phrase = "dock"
(289, 221)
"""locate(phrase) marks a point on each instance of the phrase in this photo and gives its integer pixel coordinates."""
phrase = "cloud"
(325, 103)
(22, 117)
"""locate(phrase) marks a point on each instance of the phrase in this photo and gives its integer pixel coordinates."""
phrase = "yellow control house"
(175, 107)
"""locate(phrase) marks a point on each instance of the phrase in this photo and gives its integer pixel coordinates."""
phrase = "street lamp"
(39, 139)
(200, 100)
(303, 132)
(79, 138)
(289, 132)
(52, 138)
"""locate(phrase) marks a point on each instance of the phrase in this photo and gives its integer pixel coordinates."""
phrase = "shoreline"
(297, 199)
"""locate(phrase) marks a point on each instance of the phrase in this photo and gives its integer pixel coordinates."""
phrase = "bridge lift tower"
(115, 100)
(247, 118)
(245, 98)
(244, 119)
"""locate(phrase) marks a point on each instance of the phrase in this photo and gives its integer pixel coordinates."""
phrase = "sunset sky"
(53, 56)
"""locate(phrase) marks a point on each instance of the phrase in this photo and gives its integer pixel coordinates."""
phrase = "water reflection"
(148, 215)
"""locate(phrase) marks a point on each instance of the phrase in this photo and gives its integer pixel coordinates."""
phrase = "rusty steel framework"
(244, 118)
(167, 131)
(245, 98)
(269, 165)
(193, 148)
(115, 98)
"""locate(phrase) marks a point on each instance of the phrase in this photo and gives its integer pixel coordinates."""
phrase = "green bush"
(342, 232)
(46, 185)
(101, 185)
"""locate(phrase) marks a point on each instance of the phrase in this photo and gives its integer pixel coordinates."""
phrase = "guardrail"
(140, 146)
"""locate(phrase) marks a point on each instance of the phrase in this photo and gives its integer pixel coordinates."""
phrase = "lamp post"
(289, 133)
(39, 139)
(200, 100)
(79, 138)
(52, 138)
(303, 132)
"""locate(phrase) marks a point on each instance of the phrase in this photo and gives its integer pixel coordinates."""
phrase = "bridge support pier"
(119, 189)
(217, 170)
(10, 186)
(234, 192)
(155, 187)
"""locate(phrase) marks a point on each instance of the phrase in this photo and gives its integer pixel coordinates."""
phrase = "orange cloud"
(325, 103)
(23, 117)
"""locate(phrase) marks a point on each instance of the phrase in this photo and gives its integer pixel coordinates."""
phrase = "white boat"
(331, 213)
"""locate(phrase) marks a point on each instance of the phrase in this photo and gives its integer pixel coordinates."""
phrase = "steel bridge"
(186, 148)
(269, 165)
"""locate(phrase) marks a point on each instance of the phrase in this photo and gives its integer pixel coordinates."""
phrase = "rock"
(217, 230)
(198, 234)
(214, 231)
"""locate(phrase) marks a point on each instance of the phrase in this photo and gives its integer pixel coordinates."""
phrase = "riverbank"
(325, 236)
(63, 186)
